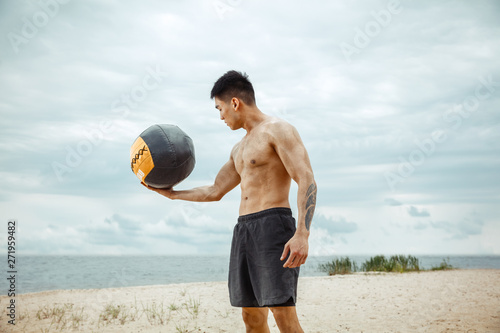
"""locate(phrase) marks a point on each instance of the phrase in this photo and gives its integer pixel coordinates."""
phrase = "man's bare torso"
(265, 183)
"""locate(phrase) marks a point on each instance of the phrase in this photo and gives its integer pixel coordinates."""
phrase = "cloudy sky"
(396, 102)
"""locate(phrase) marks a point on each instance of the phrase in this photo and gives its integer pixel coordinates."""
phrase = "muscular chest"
(254, 151)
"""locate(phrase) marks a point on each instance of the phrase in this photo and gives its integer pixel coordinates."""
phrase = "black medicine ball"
(162, 156)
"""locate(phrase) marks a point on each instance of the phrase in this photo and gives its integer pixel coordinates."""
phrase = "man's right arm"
(227, 179)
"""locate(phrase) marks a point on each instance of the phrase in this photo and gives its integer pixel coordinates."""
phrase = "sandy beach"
(441, 301)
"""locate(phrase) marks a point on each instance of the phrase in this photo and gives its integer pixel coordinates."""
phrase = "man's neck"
(253, 117)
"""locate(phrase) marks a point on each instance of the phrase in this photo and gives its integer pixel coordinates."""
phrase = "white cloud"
(335, 225)
(469, 225)
(392, 202)
(415, 212)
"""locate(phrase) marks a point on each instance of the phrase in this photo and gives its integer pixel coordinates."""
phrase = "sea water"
(41, 273)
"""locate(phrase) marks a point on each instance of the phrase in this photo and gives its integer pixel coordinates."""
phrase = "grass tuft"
(445, 265)
(60, 315)
(110, 312)
(339, 266)
(64, 317)
(156, 314)
(396, 263)
(193, 307)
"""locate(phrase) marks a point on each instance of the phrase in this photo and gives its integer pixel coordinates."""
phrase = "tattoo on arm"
(310, 204)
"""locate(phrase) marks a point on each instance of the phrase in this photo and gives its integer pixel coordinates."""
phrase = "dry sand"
(443, 301)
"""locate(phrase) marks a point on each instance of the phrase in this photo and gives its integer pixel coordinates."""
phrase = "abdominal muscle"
(263, 190)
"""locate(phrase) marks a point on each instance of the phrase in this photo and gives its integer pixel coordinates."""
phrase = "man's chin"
(232, 127)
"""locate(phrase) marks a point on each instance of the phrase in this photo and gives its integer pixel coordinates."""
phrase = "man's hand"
(298, 247)
(167, 192)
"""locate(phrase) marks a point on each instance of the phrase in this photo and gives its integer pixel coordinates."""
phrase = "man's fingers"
(285, 252)
(289, 262)
(302, 261)
(150, 187)
(292, 261)
(295, 261)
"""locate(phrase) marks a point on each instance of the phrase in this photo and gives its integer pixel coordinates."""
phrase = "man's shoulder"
(278, 130)
(277, 125)
(235, 148)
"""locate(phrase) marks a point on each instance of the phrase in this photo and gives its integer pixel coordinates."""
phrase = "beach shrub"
(396, 263)
(445, 265)
(401, 263)
(379, 263)
(375, 264)
(110, 313)
(343, 265)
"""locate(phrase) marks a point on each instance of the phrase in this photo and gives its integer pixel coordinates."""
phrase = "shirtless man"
(264, 162)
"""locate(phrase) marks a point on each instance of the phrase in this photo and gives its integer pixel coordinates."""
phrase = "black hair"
(234, 84)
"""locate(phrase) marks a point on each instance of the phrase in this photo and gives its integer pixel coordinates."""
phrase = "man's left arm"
(289, 147)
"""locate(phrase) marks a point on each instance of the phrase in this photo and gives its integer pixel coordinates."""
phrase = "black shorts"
(257, 277)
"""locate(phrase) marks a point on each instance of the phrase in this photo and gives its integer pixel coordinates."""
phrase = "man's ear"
(235, 103)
